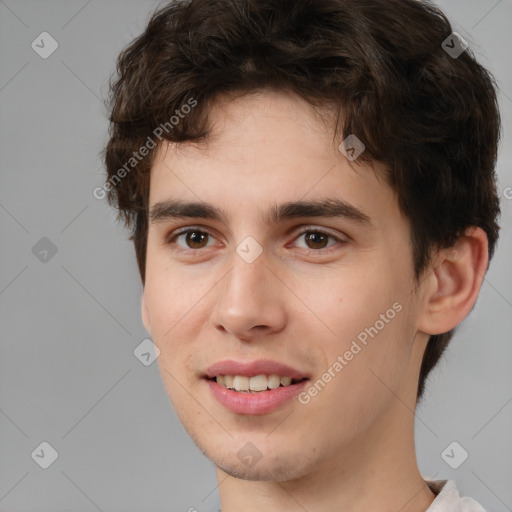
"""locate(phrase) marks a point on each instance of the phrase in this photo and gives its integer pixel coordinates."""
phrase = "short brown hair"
(431, 118)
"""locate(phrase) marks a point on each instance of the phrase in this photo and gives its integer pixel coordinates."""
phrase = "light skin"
(301, 302)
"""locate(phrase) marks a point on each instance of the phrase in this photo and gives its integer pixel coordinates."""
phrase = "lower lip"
(261, 402)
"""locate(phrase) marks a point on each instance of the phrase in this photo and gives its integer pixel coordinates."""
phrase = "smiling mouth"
(255, 384)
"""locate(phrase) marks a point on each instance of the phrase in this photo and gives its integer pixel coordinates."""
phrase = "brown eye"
(316, 240)
(196, 239)
(192, 239)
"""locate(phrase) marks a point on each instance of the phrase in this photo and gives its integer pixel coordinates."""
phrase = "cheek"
(365, 382)
(348, 301)
(170, 294)
(177, 304)
(369, 328)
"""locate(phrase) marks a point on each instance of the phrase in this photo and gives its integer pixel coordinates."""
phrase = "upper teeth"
(256, 383)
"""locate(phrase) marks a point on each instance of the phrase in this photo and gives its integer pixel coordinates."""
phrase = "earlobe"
(455, 282)
(145, 314)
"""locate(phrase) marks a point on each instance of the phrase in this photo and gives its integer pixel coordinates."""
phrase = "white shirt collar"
(448, 499)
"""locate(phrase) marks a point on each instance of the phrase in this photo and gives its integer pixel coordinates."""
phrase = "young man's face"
(338, 306)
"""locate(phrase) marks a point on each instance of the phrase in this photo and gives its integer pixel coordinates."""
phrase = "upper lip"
(253, 368)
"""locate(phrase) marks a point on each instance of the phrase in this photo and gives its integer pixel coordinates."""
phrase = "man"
(312, 198)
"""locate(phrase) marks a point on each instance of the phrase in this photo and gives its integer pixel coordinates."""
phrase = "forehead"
(265, 148)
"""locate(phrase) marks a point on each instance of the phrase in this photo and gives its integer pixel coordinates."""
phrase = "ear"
(452, 286)
(145, 314)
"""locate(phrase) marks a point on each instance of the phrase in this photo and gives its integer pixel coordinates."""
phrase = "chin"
(238, 470)
(275, 467)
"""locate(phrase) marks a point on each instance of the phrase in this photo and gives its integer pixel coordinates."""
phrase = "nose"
(250, 300)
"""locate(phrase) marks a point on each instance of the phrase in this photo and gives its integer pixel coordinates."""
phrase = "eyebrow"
(175, 209)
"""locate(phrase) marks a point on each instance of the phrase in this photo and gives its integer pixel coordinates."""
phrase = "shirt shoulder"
(449, 500)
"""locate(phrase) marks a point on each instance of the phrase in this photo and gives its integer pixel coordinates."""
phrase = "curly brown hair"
(380, 67)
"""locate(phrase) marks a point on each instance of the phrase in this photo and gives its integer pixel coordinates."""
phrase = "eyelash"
(304, 231)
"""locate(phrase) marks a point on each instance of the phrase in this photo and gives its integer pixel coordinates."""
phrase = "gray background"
(69, 325)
